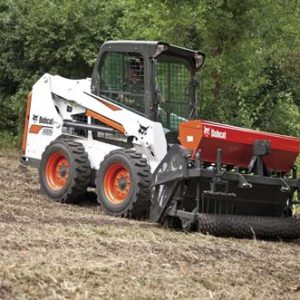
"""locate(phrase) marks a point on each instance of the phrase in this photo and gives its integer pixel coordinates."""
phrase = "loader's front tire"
(123, 184)
(64, 171)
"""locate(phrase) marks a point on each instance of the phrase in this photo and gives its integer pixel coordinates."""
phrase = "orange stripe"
(36, 128)
(106, 121)
(109, 105)
(25, 131)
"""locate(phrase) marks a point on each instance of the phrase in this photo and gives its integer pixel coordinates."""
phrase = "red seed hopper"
(237, 144)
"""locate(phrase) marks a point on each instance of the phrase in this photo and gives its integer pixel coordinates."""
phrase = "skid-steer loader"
(132, 132)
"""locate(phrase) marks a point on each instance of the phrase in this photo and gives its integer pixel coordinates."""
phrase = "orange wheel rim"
(57, 170)
(117, 183)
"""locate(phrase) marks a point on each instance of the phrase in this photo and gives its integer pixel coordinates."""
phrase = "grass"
(9, 141)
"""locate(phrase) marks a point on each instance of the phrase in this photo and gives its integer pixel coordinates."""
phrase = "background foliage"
(252, 72)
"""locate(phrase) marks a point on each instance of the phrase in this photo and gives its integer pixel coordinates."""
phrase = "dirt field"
(54, 251)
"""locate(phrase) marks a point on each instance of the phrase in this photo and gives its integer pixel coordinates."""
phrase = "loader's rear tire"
(123, 184)
(64, 171)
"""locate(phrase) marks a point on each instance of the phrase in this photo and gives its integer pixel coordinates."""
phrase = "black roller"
(267, 228)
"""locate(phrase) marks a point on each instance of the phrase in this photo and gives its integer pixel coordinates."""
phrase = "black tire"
(134, 190)
(74, 173)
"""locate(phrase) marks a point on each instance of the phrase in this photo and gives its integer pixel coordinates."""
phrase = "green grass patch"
(9, 141)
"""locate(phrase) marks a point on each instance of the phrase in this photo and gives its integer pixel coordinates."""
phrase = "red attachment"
(237, 144)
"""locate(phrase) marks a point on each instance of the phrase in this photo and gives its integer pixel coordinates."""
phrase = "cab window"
(122, 79)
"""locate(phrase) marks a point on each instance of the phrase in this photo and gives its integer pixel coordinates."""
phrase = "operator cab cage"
(155, 79)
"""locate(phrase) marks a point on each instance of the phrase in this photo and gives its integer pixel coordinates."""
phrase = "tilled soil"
(54, 251)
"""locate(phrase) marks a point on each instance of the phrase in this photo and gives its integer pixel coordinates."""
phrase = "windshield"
(173, 78)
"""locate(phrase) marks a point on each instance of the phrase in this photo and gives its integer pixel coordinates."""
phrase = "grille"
(80, 118)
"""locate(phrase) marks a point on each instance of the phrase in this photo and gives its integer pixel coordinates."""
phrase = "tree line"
(252, 71)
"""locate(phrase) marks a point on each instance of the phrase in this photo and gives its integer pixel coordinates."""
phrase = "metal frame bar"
(229, 176)
(95, 128)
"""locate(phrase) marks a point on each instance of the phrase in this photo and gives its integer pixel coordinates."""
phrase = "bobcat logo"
(206, 131)
(143, 129)
(35, 118)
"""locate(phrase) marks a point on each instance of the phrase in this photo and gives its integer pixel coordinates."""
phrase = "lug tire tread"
(82, 170)
(139, 207)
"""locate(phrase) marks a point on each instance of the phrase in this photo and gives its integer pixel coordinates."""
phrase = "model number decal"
(47, 131)
(190, 138)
